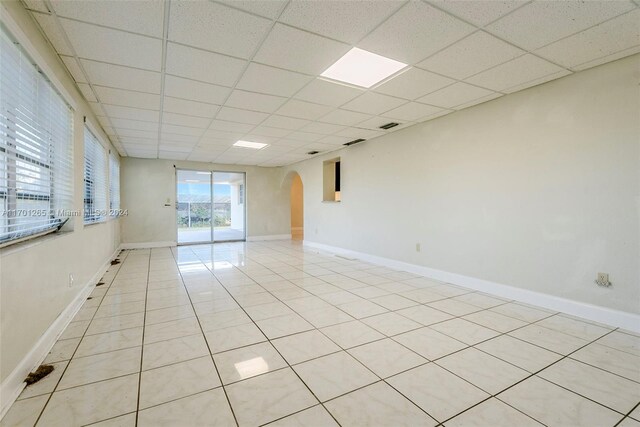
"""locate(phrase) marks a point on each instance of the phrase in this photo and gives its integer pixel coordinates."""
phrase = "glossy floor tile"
(278, 334)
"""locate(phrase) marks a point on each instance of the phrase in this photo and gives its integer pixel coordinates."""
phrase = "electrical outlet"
(603, 280)
(70, 280)
(418, 247)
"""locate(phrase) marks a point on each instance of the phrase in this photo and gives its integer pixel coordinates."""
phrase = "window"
(95, 179)
(241, 194)
(114, 183)
(36, 151)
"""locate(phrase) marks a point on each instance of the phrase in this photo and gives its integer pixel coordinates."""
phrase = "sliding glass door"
(211, 206)
(228, 206)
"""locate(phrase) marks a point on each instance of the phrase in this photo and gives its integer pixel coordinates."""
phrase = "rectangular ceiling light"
(361, 68)
(249, 144)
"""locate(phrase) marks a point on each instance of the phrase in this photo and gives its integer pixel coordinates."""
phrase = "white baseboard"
(269, 237)
(616, 318)
(13, 385)
(145, 245)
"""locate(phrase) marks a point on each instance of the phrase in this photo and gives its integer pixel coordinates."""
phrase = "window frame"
(17, 158)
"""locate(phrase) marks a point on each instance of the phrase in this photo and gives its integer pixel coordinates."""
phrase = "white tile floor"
(274, 333)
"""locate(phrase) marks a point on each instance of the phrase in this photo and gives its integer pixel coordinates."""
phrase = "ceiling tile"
(324, 92)
(608, 58)
(344, 117)
(128, 98)
(87, 92)
(142, 154)
(117, 111)
(471, 55)
(336, 140)
(216, 27)
(254, 101)
(305, 136)
(219, 137)
(170, 155)
(241, 116)
(183, 120)
(298, 50)
(53, 32)
(347, 21)
(413, 111)
(223, 125)
(415, 32)
(183, 106)
(259, 138)
(303, 110)
(373, 103)
(121, 77)
(181, 130)
(413, 83)
(477, 12)
(455, 95)
(274, 81)
(477, 101)
(198, 65)
(361, 132)
(134, 133)
(372, 123)
(515, 72)
(616, 35)
(73, 67)
(135, 125)
(113, 46)
(140, 16)
(285, 122)
(269, 131)
(140, 143)
(540, 23)
(269, 9)
(537, 81)
(179, 87)
(322, 128)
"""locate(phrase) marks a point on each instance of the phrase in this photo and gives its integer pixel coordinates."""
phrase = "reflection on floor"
(273, 332)
(188, 235)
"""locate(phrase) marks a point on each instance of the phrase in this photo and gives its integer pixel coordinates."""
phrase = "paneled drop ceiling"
(186, 79)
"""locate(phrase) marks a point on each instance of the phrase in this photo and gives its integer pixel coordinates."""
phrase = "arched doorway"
(297, 208)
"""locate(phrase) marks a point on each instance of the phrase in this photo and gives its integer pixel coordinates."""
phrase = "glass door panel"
(194, 205)
(229, 206)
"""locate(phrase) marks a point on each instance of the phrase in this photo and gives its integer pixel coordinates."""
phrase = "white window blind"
(95, 179)
(36, 151)
(114, 183)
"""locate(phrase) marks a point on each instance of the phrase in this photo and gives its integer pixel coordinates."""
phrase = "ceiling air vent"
(355, 141)
(389, 125)
(311, 153)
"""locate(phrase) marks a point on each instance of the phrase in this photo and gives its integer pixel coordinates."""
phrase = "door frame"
(244, 206)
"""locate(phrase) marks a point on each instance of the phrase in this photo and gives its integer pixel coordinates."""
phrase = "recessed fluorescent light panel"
(361, 68)
(249, 144)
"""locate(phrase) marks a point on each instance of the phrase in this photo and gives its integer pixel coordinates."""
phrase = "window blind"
(36, 150)
(95, 179)
(114, 183)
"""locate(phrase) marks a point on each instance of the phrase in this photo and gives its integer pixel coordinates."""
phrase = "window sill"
(32, 242)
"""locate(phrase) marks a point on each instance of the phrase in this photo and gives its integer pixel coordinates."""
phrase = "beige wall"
(297, 208)
(537, 190)
(147, 185)
(34, 276)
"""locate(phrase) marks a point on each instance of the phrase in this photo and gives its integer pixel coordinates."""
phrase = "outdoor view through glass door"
(211, 206)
